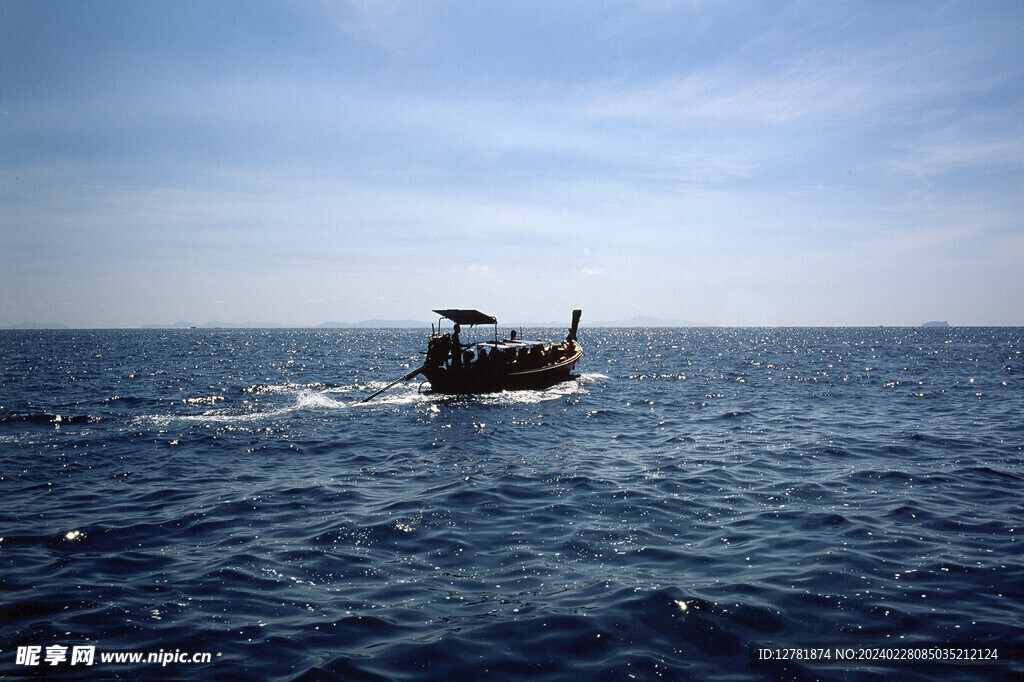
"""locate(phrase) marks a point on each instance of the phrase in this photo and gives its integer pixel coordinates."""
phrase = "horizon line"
(536, 325)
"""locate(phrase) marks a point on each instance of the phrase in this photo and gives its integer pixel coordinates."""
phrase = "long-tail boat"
(508, 364)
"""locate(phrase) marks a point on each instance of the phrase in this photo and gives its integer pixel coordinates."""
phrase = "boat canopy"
(470, 317)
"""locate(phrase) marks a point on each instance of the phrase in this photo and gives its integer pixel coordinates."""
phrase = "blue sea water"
(693, 498)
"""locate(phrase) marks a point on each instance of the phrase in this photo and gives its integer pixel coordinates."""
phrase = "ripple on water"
(706, 491)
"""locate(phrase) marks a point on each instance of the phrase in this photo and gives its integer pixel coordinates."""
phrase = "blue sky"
(731, 163)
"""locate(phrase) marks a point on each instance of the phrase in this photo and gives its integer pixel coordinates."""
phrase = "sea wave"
(629, 523)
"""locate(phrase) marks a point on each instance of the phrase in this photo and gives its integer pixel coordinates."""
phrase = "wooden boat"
(511, 364)
(497, 365)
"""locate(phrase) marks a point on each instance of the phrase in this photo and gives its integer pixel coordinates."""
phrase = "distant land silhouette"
(366, 324)
(38, 325)
(375, 324)
(216, 324)
(640, 321)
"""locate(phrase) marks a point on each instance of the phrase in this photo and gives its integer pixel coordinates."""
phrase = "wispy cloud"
(381, 144)
(954, 150)
(395, 27)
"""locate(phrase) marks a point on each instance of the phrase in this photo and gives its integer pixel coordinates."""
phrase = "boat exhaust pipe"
(575, 325)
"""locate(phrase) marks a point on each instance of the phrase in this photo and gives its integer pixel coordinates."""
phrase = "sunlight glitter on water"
(631, 520)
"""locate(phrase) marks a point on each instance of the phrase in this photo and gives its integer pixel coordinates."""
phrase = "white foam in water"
(407, 394)
(304, 400)
(410, 393)
(316, 400)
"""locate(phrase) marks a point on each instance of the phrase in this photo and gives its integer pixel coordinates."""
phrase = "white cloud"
(951, 151)
(392, 26)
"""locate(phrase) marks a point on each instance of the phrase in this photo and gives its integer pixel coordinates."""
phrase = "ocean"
(835, 503)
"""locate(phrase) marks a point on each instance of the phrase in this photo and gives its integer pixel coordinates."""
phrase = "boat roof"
(470, 317)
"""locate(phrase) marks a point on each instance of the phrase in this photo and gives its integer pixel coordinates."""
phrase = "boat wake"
(319, 398)
(304, 398)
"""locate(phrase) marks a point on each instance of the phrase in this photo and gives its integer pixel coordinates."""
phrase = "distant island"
(403, 324)
(216, 324)
(416, 324)
(366, 324)
(373, 324)
(37, 325)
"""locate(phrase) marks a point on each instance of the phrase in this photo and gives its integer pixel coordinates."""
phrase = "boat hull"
(470, 379)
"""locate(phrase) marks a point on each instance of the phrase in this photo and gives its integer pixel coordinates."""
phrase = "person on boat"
(439, 350)
(502, 358)
(484, 361)
(456, 346)
(512, 335)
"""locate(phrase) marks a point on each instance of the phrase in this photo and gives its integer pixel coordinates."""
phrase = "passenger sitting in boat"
(439, 350)
(502, 358)
(512, 335)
